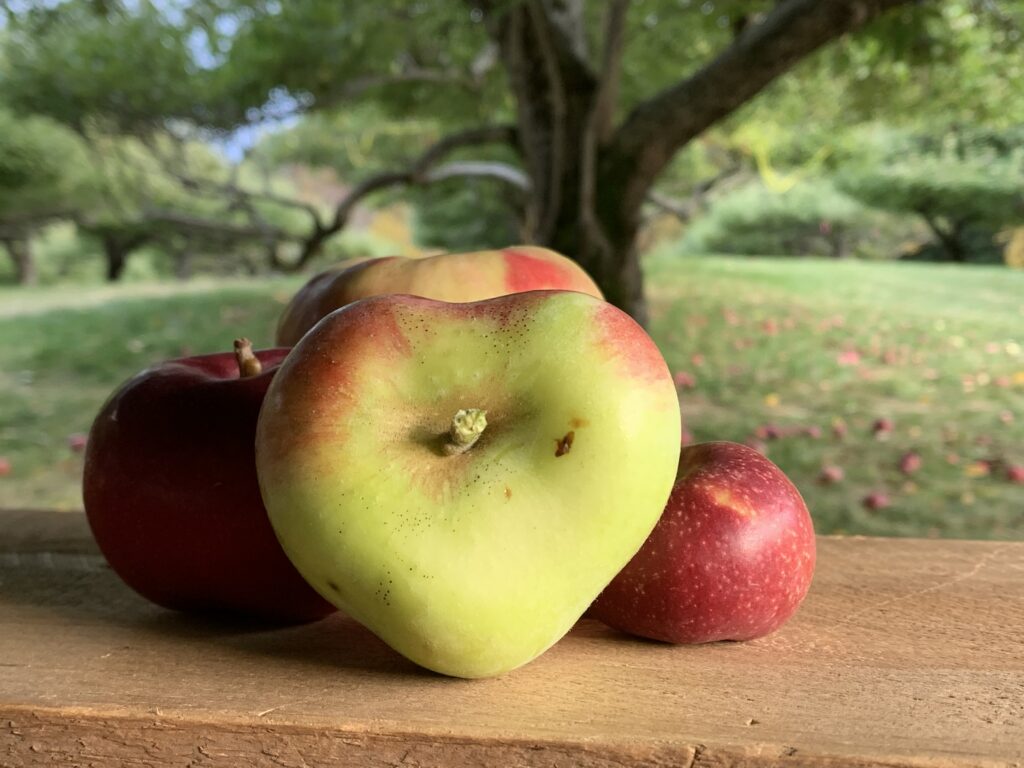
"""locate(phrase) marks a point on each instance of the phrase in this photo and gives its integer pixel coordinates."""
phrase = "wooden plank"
(906, 653)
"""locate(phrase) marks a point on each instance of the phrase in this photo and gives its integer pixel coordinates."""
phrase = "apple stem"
(248, 363)
(467, 426)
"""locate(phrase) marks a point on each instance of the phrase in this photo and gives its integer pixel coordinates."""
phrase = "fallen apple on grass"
(171, 493)
(453, 277)
(463, 479)
(730, 559)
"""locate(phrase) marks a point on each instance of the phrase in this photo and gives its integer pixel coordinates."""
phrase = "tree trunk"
(183, 263)
(116, 255)
(20, 251)
(604, 242)
(949, 238)
(589, 179)
(561, 108)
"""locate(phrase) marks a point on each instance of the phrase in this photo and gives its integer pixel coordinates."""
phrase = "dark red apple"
(171, 493)
(882, 428)
(730, 559)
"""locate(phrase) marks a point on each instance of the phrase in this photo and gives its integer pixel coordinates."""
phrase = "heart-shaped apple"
(464, 479)
(445, 277)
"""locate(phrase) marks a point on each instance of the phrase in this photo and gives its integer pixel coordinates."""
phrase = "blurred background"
(816, 207)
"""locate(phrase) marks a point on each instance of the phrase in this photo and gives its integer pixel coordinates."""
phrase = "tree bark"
(117, 258)
(20, 251)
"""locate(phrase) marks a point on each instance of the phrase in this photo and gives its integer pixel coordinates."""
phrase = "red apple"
(685, 380)
(910, 462)
(876, 500)
(881, 428)
(831, 474)
(730, 559)
(171, 493)
(5, 466)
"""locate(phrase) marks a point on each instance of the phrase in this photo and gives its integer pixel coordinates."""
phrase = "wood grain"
(906, 653)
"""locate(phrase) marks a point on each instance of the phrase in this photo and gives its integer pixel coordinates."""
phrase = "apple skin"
(730, 559)
(451, 277)
(475, 563)
(172, 498)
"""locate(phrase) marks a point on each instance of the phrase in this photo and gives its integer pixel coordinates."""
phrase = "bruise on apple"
(564, 444)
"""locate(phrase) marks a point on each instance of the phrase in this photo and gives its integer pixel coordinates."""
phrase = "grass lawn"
(781, 353)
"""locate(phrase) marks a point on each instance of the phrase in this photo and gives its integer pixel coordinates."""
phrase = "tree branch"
(611, 68)
(213, 228)
(173, 167)
(357, 86)
(421, 171)
(648, 138)
(509, 174)
(488, 134)
(684, 210)
(551, 57)
(566, 20)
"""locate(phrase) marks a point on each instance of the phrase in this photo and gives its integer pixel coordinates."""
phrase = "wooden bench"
(906, 653)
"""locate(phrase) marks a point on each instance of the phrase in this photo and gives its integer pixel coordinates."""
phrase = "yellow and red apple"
(452, 277)
(464, 479)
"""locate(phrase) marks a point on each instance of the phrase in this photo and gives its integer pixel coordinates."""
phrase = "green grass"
(63, 351)
(940, 353)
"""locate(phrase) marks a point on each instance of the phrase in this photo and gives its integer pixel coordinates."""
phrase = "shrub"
(812, 218)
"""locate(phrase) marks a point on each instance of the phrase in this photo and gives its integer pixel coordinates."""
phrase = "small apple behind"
(730, 559)
(464, 479)
(171, 494)
(452, 277)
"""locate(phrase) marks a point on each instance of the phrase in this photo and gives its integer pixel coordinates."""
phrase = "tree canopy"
(571, 112)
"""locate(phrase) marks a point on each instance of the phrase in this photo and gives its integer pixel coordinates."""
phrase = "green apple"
(464, 479)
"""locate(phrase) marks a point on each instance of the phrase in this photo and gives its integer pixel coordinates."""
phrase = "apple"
(730, 559)
(464, 479)
(831, 474)
(875, 501)
(910, 462)
(171, 493)
(453, 277)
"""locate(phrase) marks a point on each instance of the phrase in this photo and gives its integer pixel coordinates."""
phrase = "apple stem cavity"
(248, 363)
(467, 426)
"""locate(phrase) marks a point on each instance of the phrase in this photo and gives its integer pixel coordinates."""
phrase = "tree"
(957, 181)
(42, 179)
(811, 218)
(590, 128)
